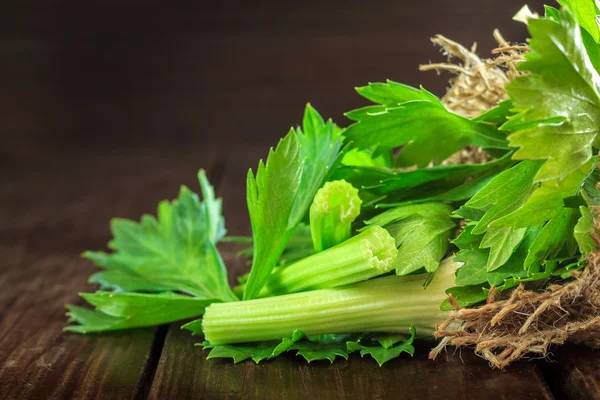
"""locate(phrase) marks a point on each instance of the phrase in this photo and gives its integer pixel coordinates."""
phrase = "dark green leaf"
(382, 353)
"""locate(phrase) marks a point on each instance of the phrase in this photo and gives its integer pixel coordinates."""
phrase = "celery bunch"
(394, 228)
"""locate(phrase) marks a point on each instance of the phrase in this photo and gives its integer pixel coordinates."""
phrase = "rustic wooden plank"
(52, 209)
(184, 373)
(573, 372)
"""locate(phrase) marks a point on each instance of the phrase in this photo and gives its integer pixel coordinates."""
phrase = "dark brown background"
(111, 74)
(107, 107)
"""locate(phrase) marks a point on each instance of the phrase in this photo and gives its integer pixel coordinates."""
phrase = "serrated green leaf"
(474, 271)
(591, 188)
(514, 267)
(552, 13)
(497, 115)
(175, 251)
(583, 231)
(552, 237)
(282, 191)
(458, 193)
(382, 353)
(389, 339)
(429, 210)
(447, 183)
(502, 243)
(546, 201)
(115, 311)
(366, 158)
(391, 93)
(474, 259)
(415, 122)
(326, 347)
(270, 197)
(562, 86)
(313, 351)
(503, 194)
(441, 175)
(257, 351)
(319, 143)
(239, 352)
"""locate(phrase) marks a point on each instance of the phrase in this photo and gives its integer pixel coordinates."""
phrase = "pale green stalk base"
(364, 256)
(335, 206)
(388, 304)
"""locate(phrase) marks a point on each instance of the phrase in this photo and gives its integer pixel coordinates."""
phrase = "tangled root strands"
(529, 322)
(479, 84)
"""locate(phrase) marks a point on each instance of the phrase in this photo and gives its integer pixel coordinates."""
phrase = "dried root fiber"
(529, 322)
(478, 85)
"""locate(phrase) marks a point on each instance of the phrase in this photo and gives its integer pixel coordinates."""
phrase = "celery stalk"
(387, 304)
(364, 256)
(335, 206)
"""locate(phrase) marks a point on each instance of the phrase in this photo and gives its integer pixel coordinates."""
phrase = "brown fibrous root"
(528, 322)
(478, 85)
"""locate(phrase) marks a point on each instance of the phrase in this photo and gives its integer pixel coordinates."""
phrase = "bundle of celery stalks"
(471, 218)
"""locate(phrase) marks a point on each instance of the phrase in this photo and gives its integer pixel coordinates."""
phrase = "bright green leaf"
(281, 192)
(546, 202)
(115, 311)
(586, 13)
(584, 230)
(416, 122)
(563, 87)
(175, 251)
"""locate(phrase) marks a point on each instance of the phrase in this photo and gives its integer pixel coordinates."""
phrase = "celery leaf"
(115, 311)
(558, 102)
(583, 231)
(586, 12)
(385, 350)
(175, 251)
(422, 234)
(324, 347)
(283, 188)
(416, 120)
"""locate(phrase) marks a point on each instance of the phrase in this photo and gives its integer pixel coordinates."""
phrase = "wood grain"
(184, 373)
(573, 372)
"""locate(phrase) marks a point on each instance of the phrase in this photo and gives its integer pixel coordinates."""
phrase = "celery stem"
(364, 256)
(387, 304)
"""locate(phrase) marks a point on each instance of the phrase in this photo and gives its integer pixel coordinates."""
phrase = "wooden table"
(106, 112)
(55, 207)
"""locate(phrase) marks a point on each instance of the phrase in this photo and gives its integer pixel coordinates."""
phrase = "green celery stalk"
(364, 256)
(387, 304)
(335, 206)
